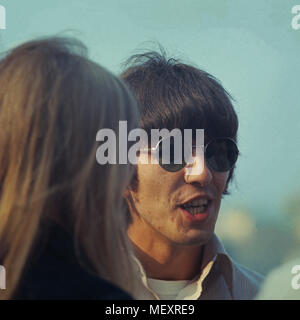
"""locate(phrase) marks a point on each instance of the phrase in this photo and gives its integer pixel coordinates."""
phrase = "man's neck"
(165, 261)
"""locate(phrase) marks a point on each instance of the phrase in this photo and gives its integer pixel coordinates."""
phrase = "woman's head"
(53, 101)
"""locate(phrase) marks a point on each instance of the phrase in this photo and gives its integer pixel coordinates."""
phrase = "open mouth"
(196, 206)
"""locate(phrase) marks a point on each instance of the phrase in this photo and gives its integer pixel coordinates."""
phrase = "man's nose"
(198, 172)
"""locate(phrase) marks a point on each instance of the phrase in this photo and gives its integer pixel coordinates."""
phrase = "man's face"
(176, 206)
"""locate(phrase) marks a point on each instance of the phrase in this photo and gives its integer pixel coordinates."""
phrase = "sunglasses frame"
(144, 150)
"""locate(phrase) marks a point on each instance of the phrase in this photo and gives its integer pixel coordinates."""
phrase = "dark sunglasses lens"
(171, 159)
(221, 154)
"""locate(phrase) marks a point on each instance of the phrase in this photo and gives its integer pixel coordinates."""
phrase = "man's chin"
(196, 238)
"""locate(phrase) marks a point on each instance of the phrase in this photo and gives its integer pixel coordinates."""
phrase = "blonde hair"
(53, 100)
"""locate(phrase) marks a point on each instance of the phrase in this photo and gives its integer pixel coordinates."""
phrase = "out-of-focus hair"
(53, 101)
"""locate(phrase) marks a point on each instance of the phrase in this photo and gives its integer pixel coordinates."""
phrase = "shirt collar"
(214, 253)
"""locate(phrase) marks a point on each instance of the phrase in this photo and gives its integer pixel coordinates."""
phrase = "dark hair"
(172, 94)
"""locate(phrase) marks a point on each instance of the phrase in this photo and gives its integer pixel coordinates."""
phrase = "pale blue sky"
(249, 46)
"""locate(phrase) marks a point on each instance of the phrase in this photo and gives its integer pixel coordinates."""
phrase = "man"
(173, 210)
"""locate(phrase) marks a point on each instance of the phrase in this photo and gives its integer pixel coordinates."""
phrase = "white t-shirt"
(167, 289)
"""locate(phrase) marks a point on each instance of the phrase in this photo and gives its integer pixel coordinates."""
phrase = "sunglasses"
(220, 155)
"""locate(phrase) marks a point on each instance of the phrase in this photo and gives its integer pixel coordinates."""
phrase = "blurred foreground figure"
(283, 283)
(62, 224)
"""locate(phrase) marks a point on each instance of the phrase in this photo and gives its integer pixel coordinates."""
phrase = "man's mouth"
(196, 206)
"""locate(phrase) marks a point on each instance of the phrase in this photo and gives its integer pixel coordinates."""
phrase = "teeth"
(195, 210)
(196, 203)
